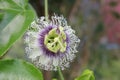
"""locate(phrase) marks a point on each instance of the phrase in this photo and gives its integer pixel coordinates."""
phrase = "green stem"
(60, 73)
(46, 9)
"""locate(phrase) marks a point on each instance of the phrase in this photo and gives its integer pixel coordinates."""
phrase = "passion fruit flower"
(51, 44)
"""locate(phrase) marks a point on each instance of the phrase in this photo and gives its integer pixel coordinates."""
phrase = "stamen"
(54, 37)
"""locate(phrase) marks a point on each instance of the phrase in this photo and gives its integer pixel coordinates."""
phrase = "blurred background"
(97, 24)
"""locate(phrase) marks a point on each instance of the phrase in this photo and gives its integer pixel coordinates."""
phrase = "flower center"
(55, 40)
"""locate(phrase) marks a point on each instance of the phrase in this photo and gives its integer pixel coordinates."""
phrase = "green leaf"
(18, 70)
(13, 4)
(18, 15)
(86, 75)
(1, 15)
(54, 79)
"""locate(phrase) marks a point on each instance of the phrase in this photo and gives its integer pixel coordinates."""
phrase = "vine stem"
(46, 9)
(60, 73)
(46, 17)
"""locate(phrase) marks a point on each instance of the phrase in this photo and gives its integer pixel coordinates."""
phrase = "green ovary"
(56, 41)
